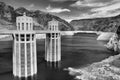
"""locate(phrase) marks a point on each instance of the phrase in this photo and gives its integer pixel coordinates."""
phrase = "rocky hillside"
(8, 17)
(109, 24)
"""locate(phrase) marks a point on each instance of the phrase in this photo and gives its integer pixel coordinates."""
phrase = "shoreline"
(103, 70)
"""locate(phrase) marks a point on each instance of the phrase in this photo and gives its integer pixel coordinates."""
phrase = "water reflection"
(28, 78)
(53, 65)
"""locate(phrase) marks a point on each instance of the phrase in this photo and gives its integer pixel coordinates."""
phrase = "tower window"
(28, 37)
(22, 37)
(17, 37)
(55, 27)
(30, 26)
(32, 36)
(48, 35)
(26, 26)
(53, 35)
(22, 26)
(18, 26)
(50, 27)
(57, 34)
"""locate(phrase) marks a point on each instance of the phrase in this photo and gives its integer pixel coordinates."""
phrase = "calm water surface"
(77, 51)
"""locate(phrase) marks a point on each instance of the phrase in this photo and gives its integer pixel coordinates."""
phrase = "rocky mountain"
(109, 24)
(8, 15)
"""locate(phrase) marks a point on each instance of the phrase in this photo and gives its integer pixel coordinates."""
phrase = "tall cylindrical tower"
(24, 53)
(53, 42)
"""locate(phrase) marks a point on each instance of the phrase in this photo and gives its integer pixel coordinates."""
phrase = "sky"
(71, 9)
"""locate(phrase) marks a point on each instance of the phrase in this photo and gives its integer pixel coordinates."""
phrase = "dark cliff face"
(109, 24)
(8, 14)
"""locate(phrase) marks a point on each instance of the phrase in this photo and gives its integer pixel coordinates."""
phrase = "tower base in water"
(34, 77)
(54, 65)
(24, 55)
(53, 47)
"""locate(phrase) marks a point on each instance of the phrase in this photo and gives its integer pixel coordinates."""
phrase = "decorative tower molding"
(24, 53)
(53, 42)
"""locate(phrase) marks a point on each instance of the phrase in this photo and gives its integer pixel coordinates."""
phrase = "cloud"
(88, 3)
(56, 10)
(31, 5)
(62, 0)
(99, 14)
(108, 9)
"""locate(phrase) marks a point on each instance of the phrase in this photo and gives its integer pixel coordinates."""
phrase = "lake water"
(77, 51)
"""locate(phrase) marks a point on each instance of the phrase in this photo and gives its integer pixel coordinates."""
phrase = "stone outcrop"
(107, 69)
(113, 43)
